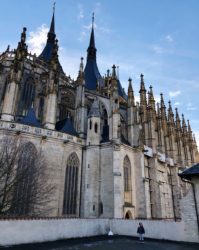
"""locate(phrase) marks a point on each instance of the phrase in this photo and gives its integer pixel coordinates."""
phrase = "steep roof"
(47, 52)
(30, 119)
(121, 91)
(66, 126)
(190, 172)
(94, 111)
(51, 43)
(91, 72)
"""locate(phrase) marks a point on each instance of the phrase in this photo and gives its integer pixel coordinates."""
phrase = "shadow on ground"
(107, 243)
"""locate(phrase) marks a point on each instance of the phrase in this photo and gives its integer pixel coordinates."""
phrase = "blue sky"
(153, 37)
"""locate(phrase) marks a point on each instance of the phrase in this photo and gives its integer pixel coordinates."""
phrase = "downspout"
(195, 201)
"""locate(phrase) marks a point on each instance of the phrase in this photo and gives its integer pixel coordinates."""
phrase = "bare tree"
(25, 186)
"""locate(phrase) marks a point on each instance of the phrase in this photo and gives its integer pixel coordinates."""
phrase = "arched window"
(96, 127)
(71, 185)
(41, 109)
(23, 203)
(27, 96)
(105, 126)
(127, 181)
(90, 125)
(67, 104)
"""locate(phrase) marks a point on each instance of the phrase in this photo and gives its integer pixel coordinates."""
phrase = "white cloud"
(156, 97)
(70, 60)
(82, 36)
(177, 104)
(97, 7)
(37, 39)
(157, 49)
(81, 12)
(137, 99)
(174, 93)
(169, 38)
(190, 107)
(196, 133)
(86, 29)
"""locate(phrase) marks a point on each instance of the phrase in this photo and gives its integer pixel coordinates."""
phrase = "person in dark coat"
(141, 232)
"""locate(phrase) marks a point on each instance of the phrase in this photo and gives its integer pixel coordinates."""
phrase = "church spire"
(51, 44)
(51, 33)
(91, 51)
(93, 79)
(52, 25)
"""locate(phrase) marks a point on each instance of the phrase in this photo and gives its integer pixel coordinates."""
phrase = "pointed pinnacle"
(93, 19)
(177, 115)
(52, 25)
(114, 71)
(130, 89)
(158, 109)
(189, 127)
(170, 107)
(162, 100)
(142, 86)
(81, 66)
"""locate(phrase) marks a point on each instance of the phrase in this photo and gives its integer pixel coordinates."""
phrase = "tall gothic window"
(27, 96)
(22, 203)
(67, 104)
(41, 109)
(71, 185)
(127, 181)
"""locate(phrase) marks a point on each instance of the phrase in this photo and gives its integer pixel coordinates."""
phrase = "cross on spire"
(93, 19)
(54, 7)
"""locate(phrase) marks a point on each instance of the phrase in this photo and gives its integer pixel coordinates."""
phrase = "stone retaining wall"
(29, 231)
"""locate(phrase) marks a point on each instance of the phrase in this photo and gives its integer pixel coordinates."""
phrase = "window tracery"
(71, 185)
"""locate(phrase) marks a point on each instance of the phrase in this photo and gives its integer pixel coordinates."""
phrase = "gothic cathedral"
(109, 156)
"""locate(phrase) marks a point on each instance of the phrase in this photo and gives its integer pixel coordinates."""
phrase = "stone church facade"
(109, 156)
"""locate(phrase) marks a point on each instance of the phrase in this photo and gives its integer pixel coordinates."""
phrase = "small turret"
(93, 126)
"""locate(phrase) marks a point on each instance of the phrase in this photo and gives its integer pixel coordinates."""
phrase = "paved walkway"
(105, 243)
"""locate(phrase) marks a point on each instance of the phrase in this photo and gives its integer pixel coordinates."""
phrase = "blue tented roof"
(190, 172)
(66, 126)
(30, 119)
(92, 75)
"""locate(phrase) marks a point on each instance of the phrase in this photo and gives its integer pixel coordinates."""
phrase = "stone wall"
(28, 231)
(188, 211)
